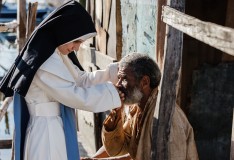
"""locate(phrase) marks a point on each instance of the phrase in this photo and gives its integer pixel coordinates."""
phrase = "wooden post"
(118, 31)
(160, 34)
(31, 19)
(0, 5)
(21, 20)
(229, 23)
(232, 139)
(168, 88)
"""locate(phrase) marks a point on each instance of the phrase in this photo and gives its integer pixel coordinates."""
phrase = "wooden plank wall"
(168, 88)
(104, 49)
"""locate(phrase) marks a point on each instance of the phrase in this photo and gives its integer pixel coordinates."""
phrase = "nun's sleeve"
(96, 98)
(99, 76)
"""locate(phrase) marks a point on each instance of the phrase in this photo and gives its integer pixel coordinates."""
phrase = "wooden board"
(101, 38)
(217, 36)
(160, 34)
(21, 20)
(232, 139)
(106, 14)
(88, 55)
(229, 23)
(5, 144)
(168, 88)
(98, 10)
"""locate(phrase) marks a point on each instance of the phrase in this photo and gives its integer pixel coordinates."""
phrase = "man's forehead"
(125, 70)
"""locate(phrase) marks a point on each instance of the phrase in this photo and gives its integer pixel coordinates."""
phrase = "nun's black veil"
(68, 22)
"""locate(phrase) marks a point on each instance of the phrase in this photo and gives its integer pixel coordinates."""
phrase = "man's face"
(129, 86)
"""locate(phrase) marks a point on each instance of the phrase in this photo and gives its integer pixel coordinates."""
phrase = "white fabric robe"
(58, 80)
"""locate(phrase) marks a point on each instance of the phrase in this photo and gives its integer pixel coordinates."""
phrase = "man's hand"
(113, 118)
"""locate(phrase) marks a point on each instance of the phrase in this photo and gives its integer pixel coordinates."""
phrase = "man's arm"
(114, 138)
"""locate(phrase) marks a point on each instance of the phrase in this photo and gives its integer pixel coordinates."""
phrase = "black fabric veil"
(68, 22)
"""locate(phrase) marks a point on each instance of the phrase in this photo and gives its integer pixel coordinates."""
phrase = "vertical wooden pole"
(23, 33)
(0, 5)
(31, 19)
(168, 88)
(119, 31)
(232, 139)
(229, 23)
(226, 57)
(21, 20)
(160, 34)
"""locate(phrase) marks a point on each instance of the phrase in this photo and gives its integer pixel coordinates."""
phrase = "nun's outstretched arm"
(97, 98)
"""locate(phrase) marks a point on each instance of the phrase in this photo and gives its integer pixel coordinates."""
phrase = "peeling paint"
(139, 26)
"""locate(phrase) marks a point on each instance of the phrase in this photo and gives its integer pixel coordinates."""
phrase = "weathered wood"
(168, 88)
(8, 27)
(90, 7)
(89, 57)
(31, 18)
(13, 147)
(229, 23)
(232, 139)
(5, 106)
(106, 13)
(98, 10)
(5, 144)
(217, 36)
(118, 31)
(0, 5)
(101, 38)
(92, 60)
(21, 20)
(160, 34)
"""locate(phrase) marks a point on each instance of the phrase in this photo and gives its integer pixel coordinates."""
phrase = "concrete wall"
(139, 26)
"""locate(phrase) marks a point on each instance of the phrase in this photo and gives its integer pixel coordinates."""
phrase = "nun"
(48, 83)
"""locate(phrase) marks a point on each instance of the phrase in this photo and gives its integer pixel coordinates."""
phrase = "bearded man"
(127, 130)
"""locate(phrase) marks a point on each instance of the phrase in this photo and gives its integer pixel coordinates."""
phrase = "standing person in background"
(47, 86)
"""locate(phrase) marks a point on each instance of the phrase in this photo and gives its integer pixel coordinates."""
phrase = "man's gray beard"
(133, 97)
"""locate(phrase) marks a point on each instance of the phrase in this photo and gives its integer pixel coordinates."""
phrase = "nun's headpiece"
(67, 23)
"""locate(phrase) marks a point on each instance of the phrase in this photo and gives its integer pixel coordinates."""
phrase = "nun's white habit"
(54, 84)
(47, 87)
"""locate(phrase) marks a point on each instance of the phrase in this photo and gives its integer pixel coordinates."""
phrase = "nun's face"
(69, 47)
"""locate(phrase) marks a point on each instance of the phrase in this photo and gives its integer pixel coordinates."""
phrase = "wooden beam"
(217, 36)
(8, 27)
(168, 88)
(5, 144)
